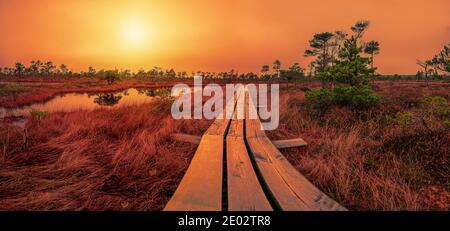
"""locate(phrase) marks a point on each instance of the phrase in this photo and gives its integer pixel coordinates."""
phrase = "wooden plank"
(193, 139)
(244, 191)
(290, 189)
(187, 138)
(297, 142)
(201, 186)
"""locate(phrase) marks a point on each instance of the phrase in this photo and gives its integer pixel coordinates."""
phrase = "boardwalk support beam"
(280, 144)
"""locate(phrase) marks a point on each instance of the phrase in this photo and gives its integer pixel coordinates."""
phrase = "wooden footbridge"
(238, 168)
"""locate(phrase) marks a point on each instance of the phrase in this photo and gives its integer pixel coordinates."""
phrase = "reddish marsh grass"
(121, 159)
(373, 159)
(42, 91)
(393, 157)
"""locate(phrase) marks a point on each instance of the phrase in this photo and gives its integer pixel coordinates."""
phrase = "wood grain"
(290, 189)
(244, 191)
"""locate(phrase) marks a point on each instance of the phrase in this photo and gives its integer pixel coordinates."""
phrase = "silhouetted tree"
(294, 72)
(350, 68)
(170, 73)
(372, 48)
(264, 70)
(125, 73)
(335, 45)
(111, 76)
(140, 74)
(441, 61)
(419, 75)
(425, 65)
(296, 68)
(36, 67)
(48, 68)
(63, 69)
(320, 45)
(277, 67)
(348, 76)
(19, 69)
(182, 74)
(359, 28)
(91, 71)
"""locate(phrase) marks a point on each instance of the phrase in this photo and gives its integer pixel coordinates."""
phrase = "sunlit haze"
(213, 35)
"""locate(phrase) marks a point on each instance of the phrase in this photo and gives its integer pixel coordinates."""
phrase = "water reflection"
(160, 92)
(108, 99)
(150, 92)
(88, 101)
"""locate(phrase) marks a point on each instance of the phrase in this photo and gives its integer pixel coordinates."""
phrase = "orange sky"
(212, 35)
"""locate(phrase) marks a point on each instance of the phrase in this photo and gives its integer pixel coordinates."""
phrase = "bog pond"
(86, 101)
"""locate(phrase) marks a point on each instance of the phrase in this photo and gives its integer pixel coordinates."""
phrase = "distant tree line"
(38, 68)
(325, 47)
(49, 69)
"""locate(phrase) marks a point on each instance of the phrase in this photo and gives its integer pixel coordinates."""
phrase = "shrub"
(361, 96)
(163, 94)
(40, 115)
(12, 89)
(437, 105)
(348, 77)
(446, 124)
(107, 99)
(403, 119)
(356, 96)
(111, 76)
(320, 99)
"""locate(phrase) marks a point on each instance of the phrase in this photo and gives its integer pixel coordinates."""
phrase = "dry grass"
(122, 159)
(368, 162)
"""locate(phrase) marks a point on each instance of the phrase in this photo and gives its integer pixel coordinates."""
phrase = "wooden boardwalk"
(237, 168)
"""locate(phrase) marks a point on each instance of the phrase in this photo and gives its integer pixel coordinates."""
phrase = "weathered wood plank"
(201, 186)
(297, 142)
(193, 139)
(187, 138)
(290, 189)
(244, 191)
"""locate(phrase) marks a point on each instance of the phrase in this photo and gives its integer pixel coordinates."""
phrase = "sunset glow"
(212, 35)
(190, 109)
(136, 35)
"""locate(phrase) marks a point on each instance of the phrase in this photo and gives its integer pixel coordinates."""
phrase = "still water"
(88, 101)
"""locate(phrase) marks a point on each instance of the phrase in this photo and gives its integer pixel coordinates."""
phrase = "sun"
(135, 34)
